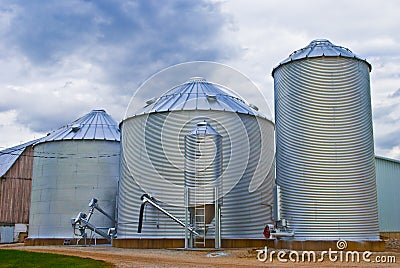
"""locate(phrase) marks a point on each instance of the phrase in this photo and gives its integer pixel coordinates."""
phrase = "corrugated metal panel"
(96, 125)
(6, 234)
(325, 149)
(320, 48)
(10, 155)
(388, 185)
(198, 94)
(153, 163)
(64, 183)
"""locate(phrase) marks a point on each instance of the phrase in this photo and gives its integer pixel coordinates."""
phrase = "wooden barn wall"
(15, 195)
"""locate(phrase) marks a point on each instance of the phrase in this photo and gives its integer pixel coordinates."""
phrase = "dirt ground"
(194, 258)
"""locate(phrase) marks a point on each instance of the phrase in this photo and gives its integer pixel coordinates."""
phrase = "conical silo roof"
(198, 94)
(96, 125)
(320, 48)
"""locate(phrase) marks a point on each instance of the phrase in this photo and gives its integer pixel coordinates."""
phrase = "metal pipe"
(93, 205)
(91, 211)
(148, 199)
(104, 213)
(141, 217)
(93, 228)
(186, 216)
(282, 234)
(217, 217)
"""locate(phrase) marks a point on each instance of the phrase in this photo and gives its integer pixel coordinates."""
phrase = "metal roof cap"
(320, 48)
(197, 94)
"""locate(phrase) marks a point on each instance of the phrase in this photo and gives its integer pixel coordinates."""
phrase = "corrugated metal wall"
(15, 190)
(66, 175)
(388, 186)
(152, 157)
(6, 234)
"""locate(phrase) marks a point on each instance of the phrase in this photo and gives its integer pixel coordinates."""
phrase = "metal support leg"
(186, 218)
(217, 215)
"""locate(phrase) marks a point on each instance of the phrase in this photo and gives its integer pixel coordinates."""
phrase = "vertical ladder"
(200, 208)
(200, 222)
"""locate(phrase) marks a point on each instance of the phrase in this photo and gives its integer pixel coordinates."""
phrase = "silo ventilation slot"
(197, 79)
(75, 128)
(151, 101)
(254, 107)
(211, 97)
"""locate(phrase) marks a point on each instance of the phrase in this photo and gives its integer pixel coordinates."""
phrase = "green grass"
(18, 258)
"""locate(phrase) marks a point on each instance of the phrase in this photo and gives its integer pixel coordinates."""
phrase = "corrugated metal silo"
(71, 165)
(324, 144)
(153, 162)
(203, 164)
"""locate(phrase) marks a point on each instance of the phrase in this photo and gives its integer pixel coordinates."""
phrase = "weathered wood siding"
(15, 187)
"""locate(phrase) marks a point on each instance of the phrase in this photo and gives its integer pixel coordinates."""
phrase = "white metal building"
(388, 185)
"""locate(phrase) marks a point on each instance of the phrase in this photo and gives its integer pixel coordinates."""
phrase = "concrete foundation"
(374, 246)
(61, 241)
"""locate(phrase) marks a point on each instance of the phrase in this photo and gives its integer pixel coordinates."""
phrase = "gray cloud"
(382, 113)
(388, 140)
(69, 57)
(120, 37)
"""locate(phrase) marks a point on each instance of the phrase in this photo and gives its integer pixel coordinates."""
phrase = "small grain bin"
(324, 144)
(153, 160)
(71, 165)
(203, 182)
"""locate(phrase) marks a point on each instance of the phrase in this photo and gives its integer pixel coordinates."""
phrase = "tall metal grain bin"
(153, 163)
(71, 165)
(324, 144)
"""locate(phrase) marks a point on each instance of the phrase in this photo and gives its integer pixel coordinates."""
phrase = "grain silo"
(203, 182)
(153, 149)
(324, 144)
(72, 165)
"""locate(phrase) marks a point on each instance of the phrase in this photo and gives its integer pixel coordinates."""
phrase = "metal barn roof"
(96, 125)
(10, 155)
(320, 48)
(198, 94)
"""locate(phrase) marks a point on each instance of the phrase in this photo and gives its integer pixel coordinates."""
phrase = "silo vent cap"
(320, 42)
(197, 79)
(254, 107)
(211, 97)
(202, 124)
(75, 128)
(151, 101)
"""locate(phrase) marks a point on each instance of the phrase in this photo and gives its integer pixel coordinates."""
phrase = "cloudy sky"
(61, 59)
